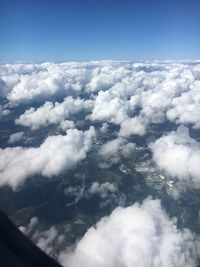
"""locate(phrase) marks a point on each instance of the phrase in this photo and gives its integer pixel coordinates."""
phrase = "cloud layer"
(159, 91)
(122, 100)
(127, 97)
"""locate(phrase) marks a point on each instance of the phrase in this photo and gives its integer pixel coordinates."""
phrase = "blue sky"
(59, 30)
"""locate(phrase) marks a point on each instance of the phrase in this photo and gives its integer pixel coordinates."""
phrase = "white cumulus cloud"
(132, 126)
(139, 235)
(179, 156)
(186, 108)
(56, 154)
(52, 113)
(110, 108)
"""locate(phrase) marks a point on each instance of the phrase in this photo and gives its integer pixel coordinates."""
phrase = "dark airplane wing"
(16, 250)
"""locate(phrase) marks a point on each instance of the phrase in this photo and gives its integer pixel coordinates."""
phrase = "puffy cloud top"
(54, 155)
(108, 107)
(51, 113)
(179, 156)
(158, 91)
(186, 108)
(132, 126)
(140, 235)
